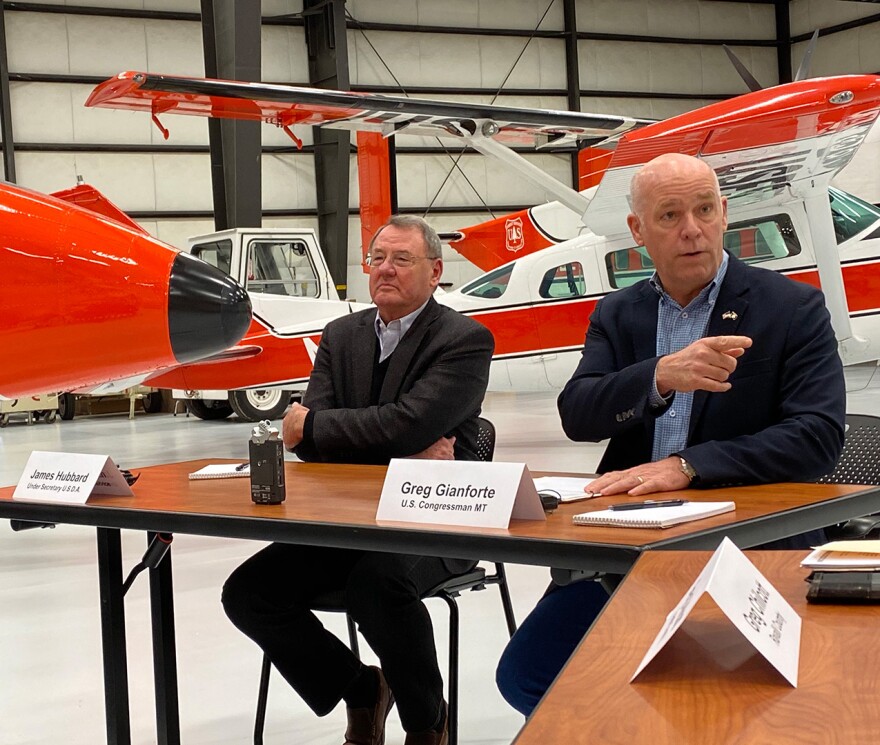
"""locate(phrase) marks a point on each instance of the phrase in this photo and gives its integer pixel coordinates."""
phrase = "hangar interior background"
(636, 57)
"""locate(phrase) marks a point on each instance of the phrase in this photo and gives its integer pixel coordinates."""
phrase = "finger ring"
(641, 480)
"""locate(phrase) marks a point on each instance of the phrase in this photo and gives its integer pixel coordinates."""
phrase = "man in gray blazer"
(405, 379)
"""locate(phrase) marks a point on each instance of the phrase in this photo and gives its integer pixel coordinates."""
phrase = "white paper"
(568, 488)
(751, 603)
(474, 493)
(69, 478)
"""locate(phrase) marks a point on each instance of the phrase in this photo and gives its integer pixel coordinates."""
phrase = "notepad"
(654, 517)
(222, 471)
(567, 488)
(842, 556)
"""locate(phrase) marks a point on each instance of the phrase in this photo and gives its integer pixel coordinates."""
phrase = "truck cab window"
(277, 268)
(218, 254)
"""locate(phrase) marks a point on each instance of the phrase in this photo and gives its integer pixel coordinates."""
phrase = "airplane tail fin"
(377, 193)
(495, 242)
(89, 198)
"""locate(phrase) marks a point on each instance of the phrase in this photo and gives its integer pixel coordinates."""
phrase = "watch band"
(687, 469)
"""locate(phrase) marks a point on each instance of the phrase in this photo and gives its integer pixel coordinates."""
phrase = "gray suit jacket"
(434, 387)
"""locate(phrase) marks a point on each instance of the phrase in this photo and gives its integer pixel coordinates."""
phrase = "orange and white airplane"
(775, 152)
(88, 298)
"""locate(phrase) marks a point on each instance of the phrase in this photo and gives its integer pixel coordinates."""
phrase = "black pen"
(647, 504)
(242, 466)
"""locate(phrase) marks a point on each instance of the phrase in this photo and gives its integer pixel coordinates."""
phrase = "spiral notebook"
(222, 471)
(654, 517)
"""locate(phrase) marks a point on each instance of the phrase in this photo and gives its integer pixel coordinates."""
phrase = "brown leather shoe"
(366, 726)
(431, 737)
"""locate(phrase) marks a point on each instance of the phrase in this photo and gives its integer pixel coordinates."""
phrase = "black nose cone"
(208, 311)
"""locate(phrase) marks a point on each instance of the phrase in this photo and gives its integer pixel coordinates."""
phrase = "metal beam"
(572, 71)
(783, 39)
(6, 106)
(231, 37)
(328, 68)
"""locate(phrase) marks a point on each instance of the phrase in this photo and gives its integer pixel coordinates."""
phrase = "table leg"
(164, 651)
(113, 637)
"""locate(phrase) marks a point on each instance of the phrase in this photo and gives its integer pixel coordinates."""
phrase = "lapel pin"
(729, 315)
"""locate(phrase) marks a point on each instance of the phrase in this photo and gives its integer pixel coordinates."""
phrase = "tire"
(209, 409)
(254, 405)
(50, 416)
(66, 406)
(152, 402)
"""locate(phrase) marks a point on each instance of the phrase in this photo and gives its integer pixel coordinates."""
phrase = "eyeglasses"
(400, 260)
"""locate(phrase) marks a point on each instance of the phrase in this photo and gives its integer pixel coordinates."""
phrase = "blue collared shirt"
(676, 328)
(391, 334)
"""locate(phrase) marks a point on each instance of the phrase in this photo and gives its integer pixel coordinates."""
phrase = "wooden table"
(708, 685)
(335, 505)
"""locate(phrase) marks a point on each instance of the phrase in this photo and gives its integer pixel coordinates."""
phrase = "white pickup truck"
(293, 297)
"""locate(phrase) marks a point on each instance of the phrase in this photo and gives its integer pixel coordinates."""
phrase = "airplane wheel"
(255, 405)
(66, 406)
(209, 408)
(152, 402)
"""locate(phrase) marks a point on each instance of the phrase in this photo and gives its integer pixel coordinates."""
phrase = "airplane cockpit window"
(850, 214)
(563, 281)
(218, 254)
(753, 241)
(490, 285)
(281, 269)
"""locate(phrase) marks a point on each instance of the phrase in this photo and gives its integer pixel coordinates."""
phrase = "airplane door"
(562, 310)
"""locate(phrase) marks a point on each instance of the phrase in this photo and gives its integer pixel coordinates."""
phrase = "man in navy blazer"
(710, 373)
(405, 379)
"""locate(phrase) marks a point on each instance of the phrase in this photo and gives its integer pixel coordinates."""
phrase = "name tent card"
(751, 603)
(69, 478)
(449, 492)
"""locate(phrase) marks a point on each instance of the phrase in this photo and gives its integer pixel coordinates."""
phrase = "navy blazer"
(782, 419)
(434, 387)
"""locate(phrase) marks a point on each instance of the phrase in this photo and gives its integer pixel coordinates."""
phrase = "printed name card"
(69, 478)
(751, 603)
(450, 492)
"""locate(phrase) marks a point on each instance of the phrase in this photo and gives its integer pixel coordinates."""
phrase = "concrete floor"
(51, 676)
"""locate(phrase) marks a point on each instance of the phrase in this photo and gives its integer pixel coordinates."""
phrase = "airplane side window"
(490, 285)
(762, 239)
(217, 254)
(282, 269)
(628, 266)
(850, 214)
(563, 281)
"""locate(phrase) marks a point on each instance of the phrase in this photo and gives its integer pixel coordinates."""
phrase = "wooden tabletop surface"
(339, 497)
(708, 685)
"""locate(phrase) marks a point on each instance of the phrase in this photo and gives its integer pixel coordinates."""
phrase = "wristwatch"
(687, 469)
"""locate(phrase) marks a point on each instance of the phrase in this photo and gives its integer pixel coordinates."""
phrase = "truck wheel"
(254, 405)
(209, 408)
(66, 406)
(152, 402)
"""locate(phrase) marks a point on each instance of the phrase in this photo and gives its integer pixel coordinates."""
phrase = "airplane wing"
(286, 106)
(780, 143)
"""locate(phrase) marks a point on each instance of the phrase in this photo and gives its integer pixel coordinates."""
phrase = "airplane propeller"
(803, 71)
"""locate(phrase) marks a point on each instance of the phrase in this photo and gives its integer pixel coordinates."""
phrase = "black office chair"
(859, 464)
(448, 591)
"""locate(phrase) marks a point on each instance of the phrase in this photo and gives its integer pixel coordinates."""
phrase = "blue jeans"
(545, 640)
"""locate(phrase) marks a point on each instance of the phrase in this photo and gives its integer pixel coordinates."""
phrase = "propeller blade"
(804, 70)
(743, 71)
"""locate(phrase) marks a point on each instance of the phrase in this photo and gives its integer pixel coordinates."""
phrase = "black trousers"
(270, 598)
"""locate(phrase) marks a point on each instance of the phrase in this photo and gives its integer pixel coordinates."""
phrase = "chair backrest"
(860, 460)
(485, 439)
